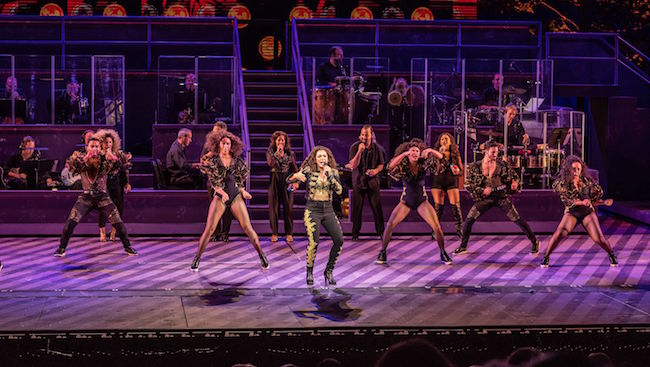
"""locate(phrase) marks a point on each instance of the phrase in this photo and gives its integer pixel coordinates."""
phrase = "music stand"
(558, 135)
(36, 169)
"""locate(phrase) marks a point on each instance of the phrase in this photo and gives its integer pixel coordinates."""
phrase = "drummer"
(491, 94)
(329, 70)
(516, 131)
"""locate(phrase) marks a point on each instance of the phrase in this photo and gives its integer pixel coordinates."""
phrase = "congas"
(537, 161)
(324, 105)
(555, 159)
(514, 161)
(342, 109)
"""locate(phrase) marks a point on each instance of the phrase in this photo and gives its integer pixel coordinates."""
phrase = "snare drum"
(324, 105)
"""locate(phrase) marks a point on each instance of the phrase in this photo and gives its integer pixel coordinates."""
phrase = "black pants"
(103, 204)
(278, 194)
(358, 194)
(505, 204)
(223, 227)
(319, 213)
(116, 193)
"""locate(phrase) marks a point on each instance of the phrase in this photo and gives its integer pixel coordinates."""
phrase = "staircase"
(272, 105)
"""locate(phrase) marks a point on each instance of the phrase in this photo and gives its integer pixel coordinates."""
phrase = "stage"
(97, 290)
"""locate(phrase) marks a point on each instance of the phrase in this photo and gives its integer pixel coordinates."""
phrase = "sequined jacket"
(281, 164)
(315, 186)
(476, 181)
(78, 166)
(120, 170)
(569, 192)
(403, 172)
(212, 167)
(442, 165)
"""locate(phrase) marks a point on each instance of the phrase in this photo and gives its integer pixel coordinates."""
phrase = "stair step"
(288, 89)
(141, 180)
(257, 76)
(271, 100)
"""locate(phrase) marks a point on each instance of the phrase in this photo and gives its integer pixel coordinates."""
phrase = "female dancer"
(411, 162)
(282, 162)
(322, 180)
(227, 173)
(118, 178)
(579, 194)
(445, 179)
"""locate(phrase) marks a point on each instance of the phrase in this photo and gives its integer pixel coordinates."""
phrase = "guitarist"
(490, 182)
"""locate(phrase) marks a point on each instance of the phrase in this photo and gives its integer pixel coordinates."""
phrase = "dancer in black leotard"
(579, 194)
(411, 162)
(227, 173)
(445, 179)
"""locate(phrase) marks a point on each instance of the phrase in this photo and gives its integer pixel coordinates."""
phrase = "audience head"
(329, 362)
(521, 356)
(413, 353)
(600, 359)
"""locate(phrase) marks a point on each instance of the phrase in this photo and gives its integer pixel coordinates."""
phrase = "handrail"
(241, 97)
(302, 93)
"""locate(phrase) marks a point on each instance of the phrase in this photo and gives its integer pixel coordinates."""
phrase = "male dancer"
(490, 182)
(93, 166)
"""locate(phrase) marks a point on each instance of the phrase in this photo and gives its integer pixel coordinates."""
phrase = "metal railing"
(626, 60)
(240, 97)
(303, 103)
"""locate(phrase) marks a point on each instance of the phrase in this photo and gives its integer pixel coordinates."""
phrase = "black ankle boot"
(310, 276)
(329, 277)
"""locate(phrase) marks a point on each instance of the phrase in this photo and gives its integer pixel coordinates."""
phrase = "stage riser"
(184, 212)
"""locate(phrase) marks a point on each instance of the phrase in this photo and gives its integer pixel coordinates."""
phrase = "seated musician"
(491, 94)
(516, 131)
(11, 92)
(329, 70)
(16, 178)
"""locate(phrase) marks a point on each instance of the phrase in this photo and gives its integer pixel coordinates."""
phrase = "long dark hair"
(311, 159)
(213, 139)
(566, 173)
(415, 142)
(287, 144)
(454, 153)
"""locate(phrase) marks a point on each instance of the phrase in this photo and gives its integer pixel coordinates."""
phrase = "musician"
(328, 71)
(491, 94)
(516, 131)
(21, 180)
(68, 105)
(490, 182)
(366, 162)
(184, 100)
(579, 193)
(11, 89)
(181, 173)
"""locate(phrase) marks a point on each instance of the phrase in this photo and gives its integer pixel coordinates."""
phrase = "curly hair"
(415, 142)
(454, 153)
(566, 172)
(110, 133)
(311, 158)
(287, 142)
(213, 139)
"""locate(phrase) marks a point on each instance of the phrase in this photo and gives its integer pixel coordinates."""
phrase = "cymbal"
(444, 98)
(511, 89)
(490, 133)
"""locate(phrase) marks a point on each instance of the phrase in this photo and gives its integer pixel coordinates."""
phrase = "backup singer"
(93, 166)
(227, 174)
(118, 177)
(445, 179)
(283, 163)
(366, 162)
(322, 180)
(411, 162)
(490, 182)
(223, 228)
(579, 194)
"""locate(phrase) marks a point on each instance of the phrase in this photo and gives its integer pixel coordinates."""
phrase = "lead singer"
(227, 173)
(321, 178)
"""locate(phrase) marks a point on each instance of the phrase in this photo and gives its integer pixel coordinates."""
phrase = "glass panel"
(215, 89)
(368, 89)
(34, 77)
(177, 86)
(108, 97)
(10, 91)
(481, 97)
(73, 86)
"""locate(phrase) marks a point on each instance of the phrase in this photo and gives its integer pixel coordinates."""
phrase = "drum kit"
(332, 104)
